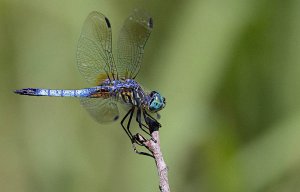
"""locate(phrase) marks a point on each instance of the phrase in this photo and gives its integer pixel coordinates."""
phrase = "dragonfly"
(113, 84)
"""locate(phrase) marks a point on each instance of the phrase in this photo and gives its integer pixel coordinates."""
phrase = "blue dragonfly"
(113, 84)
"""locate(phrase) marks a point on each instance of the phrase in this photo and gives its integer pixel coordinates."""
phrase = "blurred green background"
(230, 73)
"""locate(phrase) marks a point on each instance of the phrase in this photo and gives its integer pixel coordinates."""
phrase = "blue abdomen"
(57, 92)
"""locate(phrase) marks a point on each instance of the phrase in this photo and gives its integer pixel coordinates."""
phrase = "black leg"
(134, 139)
(139, 120)
(145, 112)
(141, 139)
(151, 122)
(125, 117)
(128, 126)
(137, 139)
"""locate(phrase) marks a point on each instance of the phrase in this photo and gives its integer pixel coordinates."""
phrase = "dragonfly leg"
(138, 137)
(128, 127)
(145, 112)
(122, 121)
(139, 120)
(135, 139)
(152, 123)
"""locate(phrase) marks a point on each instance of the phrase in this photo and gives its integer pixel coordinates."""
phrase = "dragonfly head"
(156, 102)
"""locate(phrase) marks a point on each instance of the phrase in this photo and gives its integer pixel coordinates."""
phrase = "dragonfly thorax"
(128, 91)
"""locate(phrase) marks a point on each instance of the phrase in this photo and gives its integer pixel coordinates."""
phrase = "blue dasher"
(113, 84)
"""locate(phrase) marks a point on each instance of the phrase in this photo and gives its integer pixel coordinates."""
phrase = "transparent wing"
(94, 53)
(102, 110)
(132, 40)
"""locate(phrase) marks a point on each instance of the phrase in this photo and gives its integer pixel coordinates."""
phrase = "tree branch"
(153, 145)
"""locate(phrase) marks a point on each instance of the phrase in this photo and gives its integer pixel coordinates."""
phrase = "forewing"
(94, 53)
(102, 110)
(132, 40)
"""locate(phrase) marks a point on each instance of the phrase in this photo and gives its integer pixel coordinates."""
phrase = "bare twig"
(153, 145)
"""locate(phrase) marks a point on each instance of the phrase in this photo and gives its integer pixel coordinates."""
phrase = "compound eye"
(155, 104)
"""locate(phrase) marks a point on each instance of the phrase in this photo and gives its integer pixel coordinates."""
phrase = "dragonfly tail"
(54, 92)
(28, 91)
